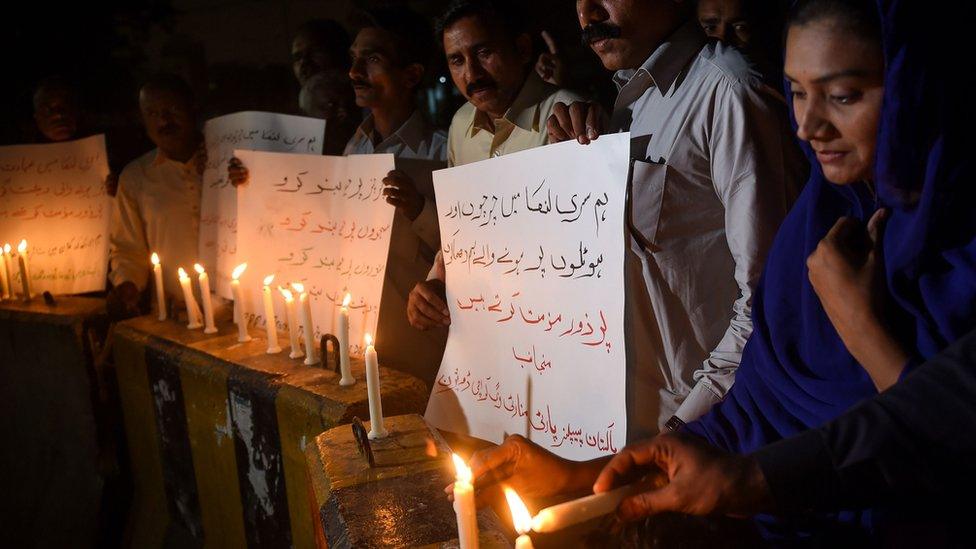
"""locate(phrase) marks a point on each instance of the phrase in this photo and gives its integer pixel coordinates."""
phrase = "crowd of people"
(800, 271)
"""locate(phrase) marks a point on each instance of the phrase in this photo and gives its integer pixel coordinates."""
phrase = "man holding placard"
(157, 208)
(490, 58)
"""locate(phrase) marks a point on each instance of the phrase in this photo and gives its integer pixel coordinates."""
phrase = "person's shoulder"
(729, 64)
(461, 120)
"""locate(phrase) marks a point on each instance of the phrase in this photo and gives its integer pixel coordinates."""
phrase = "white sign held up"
(259, 131)
(53, 195)
(533, 245)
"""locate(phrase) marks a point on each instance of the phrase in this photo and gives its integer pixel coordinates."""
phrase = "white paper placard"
(54, 196)
(251, 130)
(321, 221)
(533, 245)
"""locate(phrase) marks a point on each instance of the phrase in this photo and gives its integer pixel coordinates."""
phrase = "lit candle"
(580, 510)
(376, 428)
(343, 337)
(464, 508)
(521, 519)
(309, 329)
(192, 311)
(4, 285)
(296, 349)
(24, 269)
(235, 288)
(8, 258)
(160, 295)
(269, 317)
(208, 317)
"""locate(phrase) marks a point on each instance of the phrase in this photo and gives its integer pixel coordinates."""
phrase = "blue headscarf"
(795, 372)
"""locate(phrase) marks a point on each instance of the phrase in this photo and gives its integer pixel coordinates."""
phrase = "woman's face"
(837, 84)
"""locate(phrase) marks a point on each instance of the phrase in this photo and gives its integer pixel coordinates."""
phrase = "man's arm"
(753, 170)
(128, 252)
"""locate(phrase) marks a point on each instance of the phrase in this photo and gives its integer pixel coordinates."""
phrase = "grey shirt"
(715, 170)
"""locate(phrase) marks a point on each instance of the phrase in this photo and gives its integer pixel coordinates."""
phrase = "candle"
(343, 337)
(467, 519)
(24, 269)
(306, 302)
(521, 519)
(208, 317)
(4, 285)
(296, 349)
(8, 258)
(160, 296)
(376, 428)
(580, 510)
(192, 311)
(269, 317)
(235, 288)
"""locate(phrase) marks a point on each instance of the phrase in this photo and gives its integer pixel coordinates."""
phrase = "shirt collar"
(667, 60)
(411, 134)
(524, 111)
(160, 158)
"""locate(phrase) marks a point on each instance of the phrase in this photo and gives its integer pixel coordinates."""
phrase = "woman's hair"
(860, 17)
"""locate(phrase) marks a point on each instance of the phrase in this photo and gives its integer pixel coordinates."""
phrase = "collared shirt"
(715, 170)
(470, 138)
(419, 149)
(156, 209)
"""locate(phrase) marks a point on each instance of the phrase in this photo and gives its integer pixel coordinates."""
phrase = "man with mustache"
(491, 61)
(157, 208)
(714, 172)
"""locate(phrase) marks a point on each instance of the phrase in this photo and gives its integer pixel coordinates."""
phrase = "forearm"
(878, 352)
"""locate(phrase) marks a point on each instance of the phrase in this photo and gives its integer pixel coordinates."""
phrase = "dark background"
(235, 54)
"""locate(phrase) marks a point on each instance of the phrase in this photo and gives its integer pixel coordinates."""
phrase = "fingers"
(578, 116)
(425, 309)
(556, 133)
(432, 296)
(594, 121)
(495, 463)
(399, 180)
(634, 460)
(649, 503)
(550, 43)
(876, 226)
(619, 467)
(563, 121)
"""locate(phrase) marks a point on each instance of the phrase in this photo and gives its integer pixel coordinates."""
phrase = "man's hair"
(55, 83)
(859, 16)
(330, 35)
(170, 83)
(412, 40)
(503, 13)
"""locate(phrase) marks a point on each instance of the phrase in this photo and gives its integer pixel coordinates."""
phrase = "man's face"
(169, 121)
(56, 114)
(624, 33)
(308, 57)
(725, 20)
(378, 78)
(487, 65)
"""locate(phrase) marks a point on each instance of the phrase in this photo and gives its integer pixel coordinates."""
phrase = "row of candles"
(547, 520)
(6, 271)
(205, 319)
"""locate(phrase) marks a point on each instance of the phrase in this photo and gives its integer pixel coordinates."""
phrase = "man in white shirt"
(714, 172)
(157, 208)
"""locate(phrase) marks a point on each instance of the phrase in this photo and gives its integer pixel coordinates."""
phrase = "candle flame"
(1, 250)
(461, 469)
(6, 247)
(369, 340)
(542, 520)
(298, 287)
(199, 268)
(521, 518)
(346, 300)
(182, 273)
(154, 258)
(268, 280)
(22, 248)
(238, 271)
(287, 293)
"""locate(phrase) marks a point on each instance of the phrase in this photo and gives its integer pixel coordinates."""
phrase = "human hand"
(401, 192)
(123, 301)
(582, 121)
(237, 173)
(549, 65)
(700, 480)
(426, 307)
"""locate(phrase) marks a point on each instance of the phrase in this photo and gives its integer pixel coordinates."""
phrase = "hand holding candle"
(343, 337)
(521, 519)
(309, 329)
(269, 317)
(160, 294)
(296, 349)
(24, 269)
(192, 310)
(376, 428)
(208, 316)
(464, 506)
(235, 287)
(583, 509)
